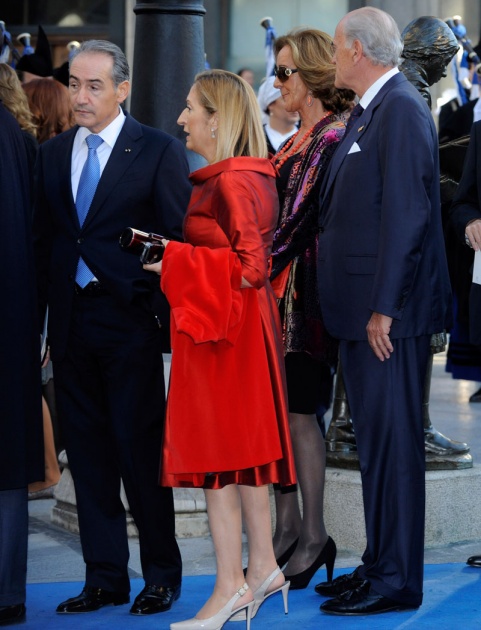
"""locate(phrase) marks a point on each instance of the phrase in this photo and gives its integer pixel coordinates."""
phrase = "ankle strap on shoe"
(268, 581)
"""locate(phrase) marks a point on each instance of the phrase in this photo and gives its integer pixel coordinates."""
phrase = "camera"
(147, 245)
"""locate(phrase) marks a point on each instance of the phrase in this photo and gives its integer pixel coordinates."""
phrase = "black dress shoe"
(155, 599)
(340, 585)
(12, 614)
(474, 561)
(91, 599)
(362, 601)
(476, 397)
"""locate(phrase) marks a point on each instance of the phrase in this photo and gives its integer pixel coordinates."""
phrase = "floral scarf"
(295, 245)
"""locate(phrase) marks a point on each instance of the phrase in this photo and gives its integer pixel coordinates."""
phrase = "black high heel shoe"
(327, 557)
(284, 557)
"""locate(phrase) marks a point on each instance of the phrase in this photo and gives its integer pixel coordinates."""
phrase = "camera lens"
(126, 238)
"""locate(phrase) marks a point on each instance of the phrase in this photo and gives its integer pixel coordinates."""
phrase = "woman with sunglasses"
(305, 77)
(227, 429)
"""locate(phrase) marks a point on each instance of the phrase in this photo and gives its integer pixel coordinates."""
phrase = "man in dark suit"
(465, 219)
(384, 289)
(21, 429)
(105, 317)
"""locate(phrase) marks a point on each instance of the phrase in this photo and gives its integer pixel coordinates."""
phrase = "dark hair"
(312, 53)
(120, 70)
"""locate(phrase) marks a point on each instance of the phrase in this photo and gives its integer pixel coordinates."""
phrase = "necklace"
(290, 148)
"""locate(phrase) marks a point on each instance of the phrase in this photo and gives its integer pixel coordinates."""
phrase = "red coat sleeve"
(202, 286)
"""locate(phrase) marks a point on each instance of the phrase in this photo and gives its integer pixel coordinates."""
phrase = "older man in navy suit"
(105, 319)
(384, 290)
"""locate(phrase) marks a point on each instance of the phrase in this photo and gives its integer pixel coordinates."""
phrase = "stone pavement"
(55, 554)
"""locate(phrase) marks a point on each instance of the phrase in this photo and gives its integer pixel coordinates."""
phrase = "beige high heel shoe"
(261, 594)
(219, 619)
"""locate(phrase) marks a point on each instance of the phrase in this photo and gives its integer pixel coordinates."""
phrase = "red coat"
(226, 412)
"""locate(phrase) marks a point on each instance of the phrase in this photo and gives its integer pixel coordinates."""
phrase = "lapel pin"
(128, 150)
(361, 128)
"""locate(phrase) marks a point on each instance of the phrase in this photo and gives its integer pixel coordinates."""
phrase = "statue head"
(430, 44)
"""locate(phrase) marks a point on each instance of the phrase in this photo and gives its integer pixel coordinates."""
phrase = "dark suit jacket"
(144, 185)
(21, 429)
(381, 245)
(466, 207)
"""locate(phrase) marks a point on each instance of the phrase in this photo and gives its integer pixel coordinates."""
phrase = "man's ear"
(357, 51)
(123, 90)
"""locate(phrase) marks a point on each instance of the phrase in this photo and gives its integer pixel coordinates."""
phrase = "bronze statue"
(429, 46)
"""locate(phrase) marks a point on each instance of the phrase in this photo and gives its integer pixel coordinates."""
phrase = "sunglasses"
(283, 73)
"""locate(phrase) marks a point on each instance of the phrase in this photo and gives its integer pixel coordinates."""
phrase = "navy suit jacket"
(381, 246)
(466, 207)
(143, 185)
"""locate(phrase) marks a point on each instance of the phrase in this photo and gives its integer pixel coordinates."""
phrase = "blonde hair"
(15, 99)
(312, 54)
(239, 127)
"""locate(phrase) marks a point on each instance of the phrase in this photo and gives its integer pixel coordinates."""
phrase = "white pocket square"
(354, 149)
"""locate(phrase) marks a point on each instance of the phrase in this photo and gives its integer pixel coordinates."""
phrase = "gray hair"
(378, 33)
(120, 70)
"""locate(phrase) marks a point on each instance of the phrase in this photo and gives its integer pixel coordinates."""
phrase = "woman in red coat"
(226, 426)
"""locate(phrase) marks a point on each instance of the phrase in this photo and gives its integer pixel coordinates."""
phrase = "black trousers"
(385, 399)
(111, 402)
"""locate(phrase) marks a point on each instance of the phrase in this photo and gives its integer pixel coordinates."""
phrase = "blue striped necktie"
(89, 180)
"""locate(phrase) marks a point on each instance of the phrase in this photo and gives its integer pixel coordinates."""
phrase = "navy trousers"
(386, 399)
(13, 546)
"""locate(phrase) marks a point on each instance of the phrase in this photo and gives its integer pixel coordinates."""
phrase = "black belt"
(93, 289)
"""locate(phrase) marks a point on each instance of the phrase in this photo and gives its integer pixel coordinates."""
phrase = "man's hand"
(378, 335)
(473, 234)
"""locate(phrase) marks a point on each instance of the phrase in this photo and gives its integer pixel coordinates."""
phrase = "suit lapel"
(355, 134)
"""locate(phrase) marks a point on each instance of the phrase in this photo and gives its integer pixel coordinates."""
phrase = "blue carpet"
(452, 601)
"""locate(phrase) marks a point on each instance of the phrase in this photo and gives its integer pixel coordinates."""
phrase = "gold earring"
(309, 100)
(212, 133)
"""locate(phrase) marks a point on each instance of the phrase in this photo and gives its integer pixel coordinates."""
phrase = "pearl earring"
(212, 133)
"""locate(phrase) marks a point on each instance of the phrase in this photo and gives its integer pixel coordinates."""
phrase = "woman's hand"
(157, 267)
